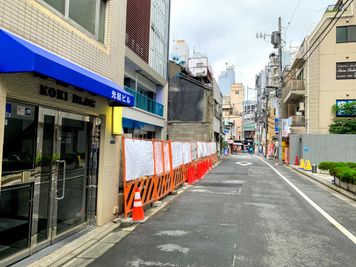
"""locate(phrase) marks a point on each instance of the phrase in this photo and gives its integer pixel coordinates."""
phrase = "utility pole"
(279, 92)
(276, 40)
(266, 125)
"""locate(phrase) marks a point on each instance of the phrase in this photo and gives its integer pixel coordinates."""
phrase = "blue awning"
(132, 124)
(18, 55)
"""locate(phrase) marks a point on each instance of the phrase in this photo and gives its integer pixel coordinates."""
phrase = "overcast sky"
(225, 30)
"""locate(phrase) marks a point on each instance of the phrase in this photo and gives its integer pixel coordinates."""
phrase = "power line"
(319, 36)
(293, 14)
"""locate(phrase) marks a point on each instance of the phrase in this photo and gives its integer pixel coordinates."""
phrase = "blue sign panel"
(276, 129)
(8, 110)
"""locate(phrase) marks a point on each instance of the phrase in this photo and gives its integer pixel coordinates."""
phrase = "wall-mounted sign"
(65, 96)
(345, 70)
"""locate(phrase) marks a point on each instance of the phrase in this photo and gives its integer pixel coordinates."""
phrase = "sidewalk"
(83, 248)
(326, 180)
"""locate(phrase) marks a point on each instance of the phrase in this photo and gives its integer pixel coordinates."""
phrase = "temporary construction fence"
(158, 167)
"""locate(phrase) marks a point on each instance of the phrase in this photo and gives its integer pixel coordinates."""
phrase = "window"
(89, 14)
(346, 34)
(236, 92)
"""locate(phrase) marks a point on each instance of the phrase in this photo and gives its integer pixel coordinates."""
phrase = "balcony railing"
(293, 90)
(296, 121)
(334, 8)
(145, 103)
(339, 6)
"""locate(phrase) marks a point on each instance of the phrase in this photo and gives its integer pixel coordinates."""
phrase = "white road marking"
(342, 229)
(234, 261)
(173, 248)
(139, 262)
(174, 233)
(243, 163)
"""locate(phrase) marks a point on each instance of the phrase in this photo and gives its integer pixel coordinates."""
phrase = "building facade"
(226, 79)
(233, 109)
(319, 80)
(249, 120)
(191, 107)
(61, 76)
(180, 53)
(146, 61)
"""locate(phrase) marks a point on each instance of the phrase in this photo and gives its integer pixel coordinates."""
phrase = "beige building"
(323, 72)
(236, 106)
(61, 73)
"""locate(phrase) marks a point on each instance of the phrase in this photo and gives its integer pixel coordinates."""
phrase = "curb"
(341, 191)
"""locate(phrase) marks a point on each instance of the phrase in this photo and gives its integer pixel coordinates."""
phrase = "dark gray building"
(193, 107)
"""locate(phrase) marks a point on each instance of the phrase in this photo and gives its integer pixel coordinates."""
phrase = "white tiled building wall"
(34, 21)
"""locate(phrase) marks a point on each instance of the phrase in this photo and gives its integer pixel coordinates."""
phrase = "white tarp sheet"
(158, 157)
(200, 149)
(177, 151)
(186, 153)
(139, 159)
(214, 148)
(194, 151)
(167, 165)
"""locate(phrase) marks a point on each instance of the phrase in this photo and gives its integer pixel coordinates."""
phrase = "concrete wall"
(323, 147)
(190, 131)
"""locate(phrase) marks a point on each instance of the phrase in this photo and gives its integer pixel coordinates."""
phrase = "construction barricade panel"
(177, 154)
(158, 157)
(139, 159)
(155, 167)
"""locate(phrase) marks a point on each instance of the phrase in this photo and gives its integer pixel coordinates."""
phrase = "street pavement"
(244, 215)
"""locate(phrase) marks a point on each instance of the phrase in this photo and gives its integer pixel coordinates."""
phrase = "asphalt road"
(243, 216)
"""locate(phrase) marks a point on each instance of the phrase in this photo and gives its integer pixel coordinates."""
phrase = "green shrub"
(325, 165)
(337, 168)
(352, 165)
(348, 175)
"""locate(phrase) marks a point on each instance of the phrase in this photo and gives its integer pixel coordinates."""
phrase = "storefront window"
(19, 139)
(16, 189)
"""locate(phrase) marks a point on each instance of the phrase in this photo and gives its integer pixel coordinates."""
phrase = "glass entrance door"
(62, 164)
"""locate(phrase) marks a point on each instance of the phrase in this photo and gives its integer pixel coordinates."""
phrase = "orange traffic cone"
(296, 162)
(137, 212)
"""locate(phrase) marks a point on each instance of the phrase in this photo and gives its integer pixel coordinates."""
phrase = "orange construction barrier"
(137, 212)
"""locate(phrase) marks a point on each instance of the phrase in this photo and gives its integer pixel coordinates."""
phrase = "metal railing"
(145, 103)
(334, 8)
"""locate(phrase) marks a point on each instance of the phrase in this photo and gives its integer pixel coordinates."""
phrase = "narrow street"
(244, 215)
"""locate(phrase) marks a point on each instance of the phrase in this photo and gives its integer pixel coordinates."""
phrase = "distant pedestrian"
(251, 150)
